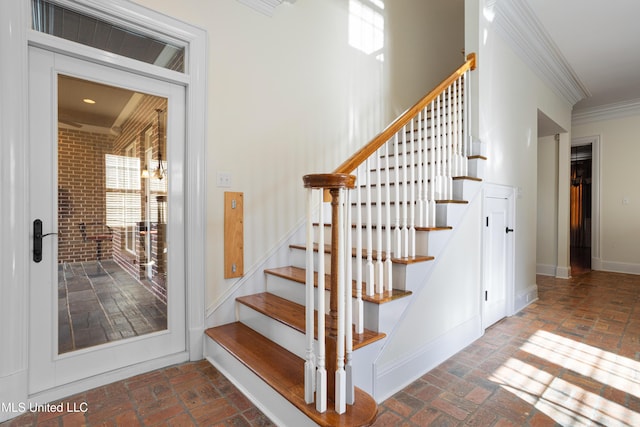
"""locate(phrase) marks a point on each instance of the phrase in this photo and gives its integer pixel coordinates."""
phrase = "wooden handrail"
(359, 157)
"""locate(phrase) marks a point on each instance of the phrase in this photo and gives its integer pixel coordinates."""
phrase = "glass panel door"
(112, 281)
(107, 151)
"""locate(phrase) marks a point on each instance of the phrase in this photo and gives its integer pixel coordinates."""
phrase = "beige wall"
(547, 211)
(619, 222)
(425, 43)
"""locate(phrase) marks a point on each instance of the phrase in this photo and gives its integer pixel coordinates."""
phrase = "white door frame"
(594, 141)
(15, 256)
(508, 193)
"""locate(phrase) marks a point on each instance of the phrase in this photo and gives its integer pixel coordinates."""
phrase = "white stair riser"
(422, 239)
(465, 189)
(393, 215)
(449, 214)
(298, 256)
(269, 401)
(277, 332)
(294, 291)
(477, 167)
(286, 337)
(458, 165)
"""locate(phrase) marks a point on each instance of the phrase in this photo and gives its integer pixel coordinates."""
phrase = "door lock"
(37, 240)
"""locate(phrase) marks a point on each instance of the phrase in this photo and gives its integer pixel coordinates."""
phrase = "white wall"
(425, 43)
(289, 96)
(619, 224)
(547, 213)
(509, 96)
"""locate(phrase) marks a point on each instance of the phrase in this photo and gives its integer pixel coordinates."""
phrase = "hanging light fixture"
(160, 172)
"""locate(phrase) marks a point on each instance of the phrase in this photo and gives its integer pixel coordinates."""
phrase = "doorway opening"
(580, 208)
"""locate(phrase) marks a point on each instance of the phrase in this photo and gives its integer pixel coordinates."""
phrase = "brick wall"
(81, 194)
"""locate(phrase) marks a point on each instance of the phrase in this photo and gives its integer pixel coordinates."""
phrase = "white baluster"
(438, 150)
(412, 195)
(455, 171)
(321, 375)
(449, 142)
(359, 307)
(459, 133)
(398, 231)
(379, 230)
(467, 123)
(309, 364)
(405, 194)
(370, 267)
(340, 375)
(387, 264)
(348, 307)
(431, 205)
(422, 182)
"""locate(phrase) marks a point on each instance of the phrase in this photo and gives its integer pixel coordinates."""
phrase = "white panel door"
(498, 257)
(116, 237)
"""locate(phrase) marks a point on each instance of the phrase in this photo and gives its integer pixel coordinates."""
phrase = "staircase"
(304, 350)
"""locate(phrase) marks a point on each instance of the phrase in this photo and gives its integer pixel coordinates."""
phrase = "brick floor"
(571, 358)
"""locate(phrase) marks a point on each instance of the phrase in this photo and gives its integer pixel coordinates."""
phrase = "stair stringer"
(443, 316)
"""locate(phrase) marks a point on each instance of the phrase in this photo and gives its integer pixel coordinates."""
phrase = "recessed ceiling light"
(89, 101)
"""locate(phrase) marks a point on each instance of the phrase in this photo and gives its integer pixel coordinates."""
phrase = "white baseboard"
(394, 376)
(525, 298)
(546, 269)
(13, 394)
(563, 272)
(70, 389)
(616, 267)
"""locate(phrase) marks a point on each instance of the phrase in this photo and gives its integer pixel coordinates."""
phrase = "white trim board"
(522, 30)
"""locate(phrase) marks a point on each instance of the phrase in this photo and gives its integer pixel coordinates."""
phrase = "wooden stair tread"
(438, 202)
(299, 275)
(284, 372)
(393, 227)
(293, 315)
(383, 255)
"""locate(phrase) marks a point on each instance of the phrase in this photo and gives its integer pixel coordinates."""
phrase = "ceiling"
(73, 111)
(600, 41)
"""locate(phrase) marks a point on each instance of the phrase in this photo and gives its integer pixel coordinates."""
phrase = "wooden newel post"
(334, 183)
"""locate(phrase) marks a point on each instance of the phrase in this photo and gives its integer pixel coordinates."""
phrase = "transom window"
(68, 24)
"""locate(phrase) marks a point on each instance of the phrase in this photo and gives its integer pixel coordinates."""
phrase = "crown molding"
(266, 7)
(606, 112)
(521, 28)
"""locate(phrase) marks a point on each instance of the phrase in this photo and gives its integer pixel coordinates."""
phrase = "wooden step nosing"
(290, 387)
(297, 321)
(298, 274)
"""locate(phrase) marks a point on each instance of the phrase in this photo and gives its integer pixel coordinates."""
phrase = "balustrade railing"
(380, 197)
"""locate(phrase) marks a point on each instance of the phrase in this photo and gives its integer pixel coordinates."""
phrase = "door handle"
(37, 240)
(509, 230)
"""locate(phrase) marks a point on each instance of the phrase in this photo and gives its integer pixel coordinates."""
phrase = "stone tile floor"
(572, 358)
(99, 302)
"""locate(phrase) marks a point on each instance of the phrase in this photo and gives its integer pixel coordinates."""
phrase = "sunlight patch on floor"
(563, 401)
(603, 366)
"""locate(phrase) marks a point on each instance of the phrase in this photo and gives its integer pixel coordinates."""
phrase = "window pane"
(58, 21)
